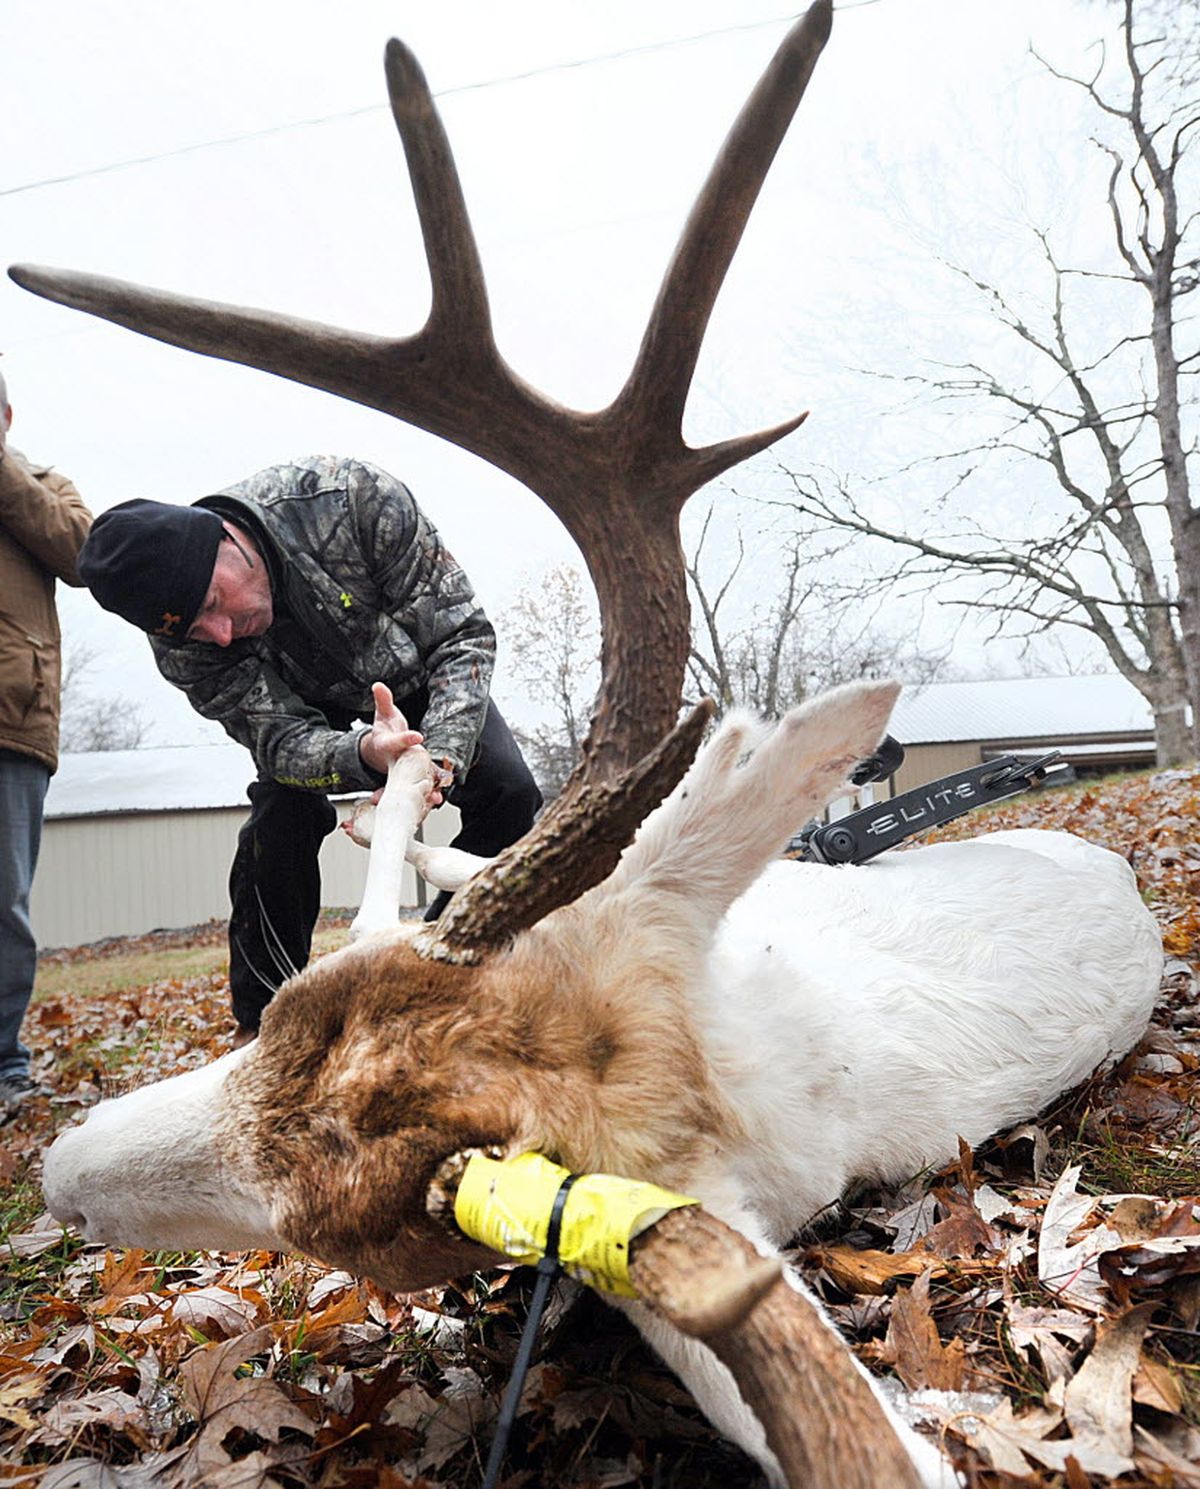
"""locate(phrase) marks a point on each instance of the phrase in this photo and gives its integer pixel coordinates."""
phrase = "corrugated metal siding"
(929, 762)
(121, 875)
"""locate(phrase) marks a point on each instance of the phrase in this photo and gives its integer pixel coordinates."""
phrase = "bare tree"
(1103, 416)
(551, 633)
(91, 721)
(806, 637)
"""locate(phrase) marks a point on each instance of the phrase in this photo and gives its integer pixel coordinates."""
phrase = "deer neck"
(587, 1038)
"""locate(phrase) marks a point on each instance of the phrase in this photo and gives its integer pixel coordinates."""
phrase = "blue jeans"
(23, 783)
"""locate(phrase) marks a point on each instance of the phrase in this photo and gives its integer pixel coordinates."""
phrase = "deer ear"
(845, 724)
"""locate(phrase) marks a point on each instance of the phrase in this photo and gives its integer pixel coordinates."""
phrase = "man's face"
(237, 603)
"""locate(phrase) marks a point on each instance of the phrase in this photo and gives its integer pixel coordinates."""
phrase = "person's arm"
(423, 586)
(44, 513)
(289, 740)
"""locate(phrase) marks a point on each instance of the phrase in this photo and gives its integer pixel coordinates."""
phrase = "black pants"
(275, 882)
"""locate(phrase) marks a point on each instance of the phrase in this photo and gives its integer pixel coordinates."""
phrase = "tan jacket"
(43, 524)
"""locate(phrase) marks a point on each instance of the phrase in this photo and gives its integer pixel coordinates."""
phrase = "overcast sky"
(245, 152)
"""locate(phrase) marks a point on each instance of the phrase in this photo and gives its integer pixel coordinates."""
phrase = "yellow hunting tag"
(507, 1204)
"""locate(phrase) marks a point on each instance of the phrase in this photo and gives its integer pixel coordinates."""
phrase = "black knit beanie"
(151, 563)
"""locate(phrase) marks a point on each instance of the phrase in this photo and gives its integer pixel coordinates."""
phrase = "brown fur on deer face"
(348, 1104)
(376, 1065)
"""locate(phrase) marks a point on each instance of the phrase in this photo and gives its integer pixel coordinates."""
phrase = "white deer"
(751, 1031)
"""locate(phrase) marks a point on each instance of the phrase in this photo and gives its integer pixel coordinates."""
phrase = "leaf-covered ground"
(1039, 1298)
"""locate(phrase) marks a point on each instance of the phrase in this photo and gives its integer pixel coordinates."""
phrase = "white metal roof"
(164, 779)
(1020, 708)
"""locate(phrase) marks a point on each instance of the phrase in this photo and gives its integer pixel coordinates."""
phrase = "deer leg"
(400, 811)
(444, 868)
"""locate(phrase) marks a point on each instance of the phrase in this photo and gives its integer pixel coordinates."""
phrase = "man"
(275, 605)
(43, 523)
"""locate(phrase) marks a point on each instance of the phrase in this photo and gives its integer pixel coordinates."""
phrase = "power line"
(376, 108)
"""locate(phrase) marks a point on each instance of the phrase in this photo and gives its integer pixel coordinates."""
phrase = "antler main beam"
(822, 1421)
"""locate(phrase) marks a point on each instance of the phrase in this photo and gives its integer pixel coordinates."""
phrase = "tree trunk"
(1174, 738)
(1187, 564)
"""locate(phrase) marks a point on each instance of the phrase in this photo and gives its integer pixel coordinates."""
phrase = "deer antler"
(525, 883)
(617, 478)
(819, 1414)
(707, 1280)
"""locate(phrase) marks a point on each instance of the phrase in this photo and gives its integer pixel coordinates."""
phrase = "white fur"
(444, 868)
(146, 1164)
(947, 991)
(399, 813)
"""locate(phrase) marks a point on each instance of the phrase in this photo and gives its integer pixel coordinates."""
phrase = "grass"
(1114, 1164)
(20, 1203)
(120, 970)
(26, 1281)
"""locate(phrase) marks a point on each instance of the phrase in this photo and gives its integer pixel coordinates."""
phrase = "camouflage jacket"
(364, 591)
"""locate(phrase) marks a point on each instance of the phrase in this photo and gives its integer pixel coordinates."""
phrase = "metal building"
(138, 840)
(141, 839)
(1099, 722)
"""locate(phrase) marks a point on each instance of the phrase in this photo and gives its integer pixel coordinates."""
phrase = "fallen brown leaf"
(1156, 1386)
(219, 1310)
(914, 1346)
(1098, 1399)
(1070, 1270)
(222, 1401)
(13, 1396)
(120, 1278)
(1044, 1330)
(873, 1272)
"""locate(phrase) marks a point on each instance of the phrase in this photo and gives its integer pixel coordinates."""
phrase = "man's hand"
(389, 737)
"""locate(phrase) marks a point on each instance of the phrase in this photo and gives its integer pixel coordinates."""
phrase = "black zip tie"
(548, 1269)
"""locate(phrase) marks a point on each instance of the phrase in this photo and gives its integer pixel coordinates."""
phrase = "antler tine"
(448, 378)
(708, 463)
(658, 386)
(460, 302)
(569, 852)
(257, 338)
